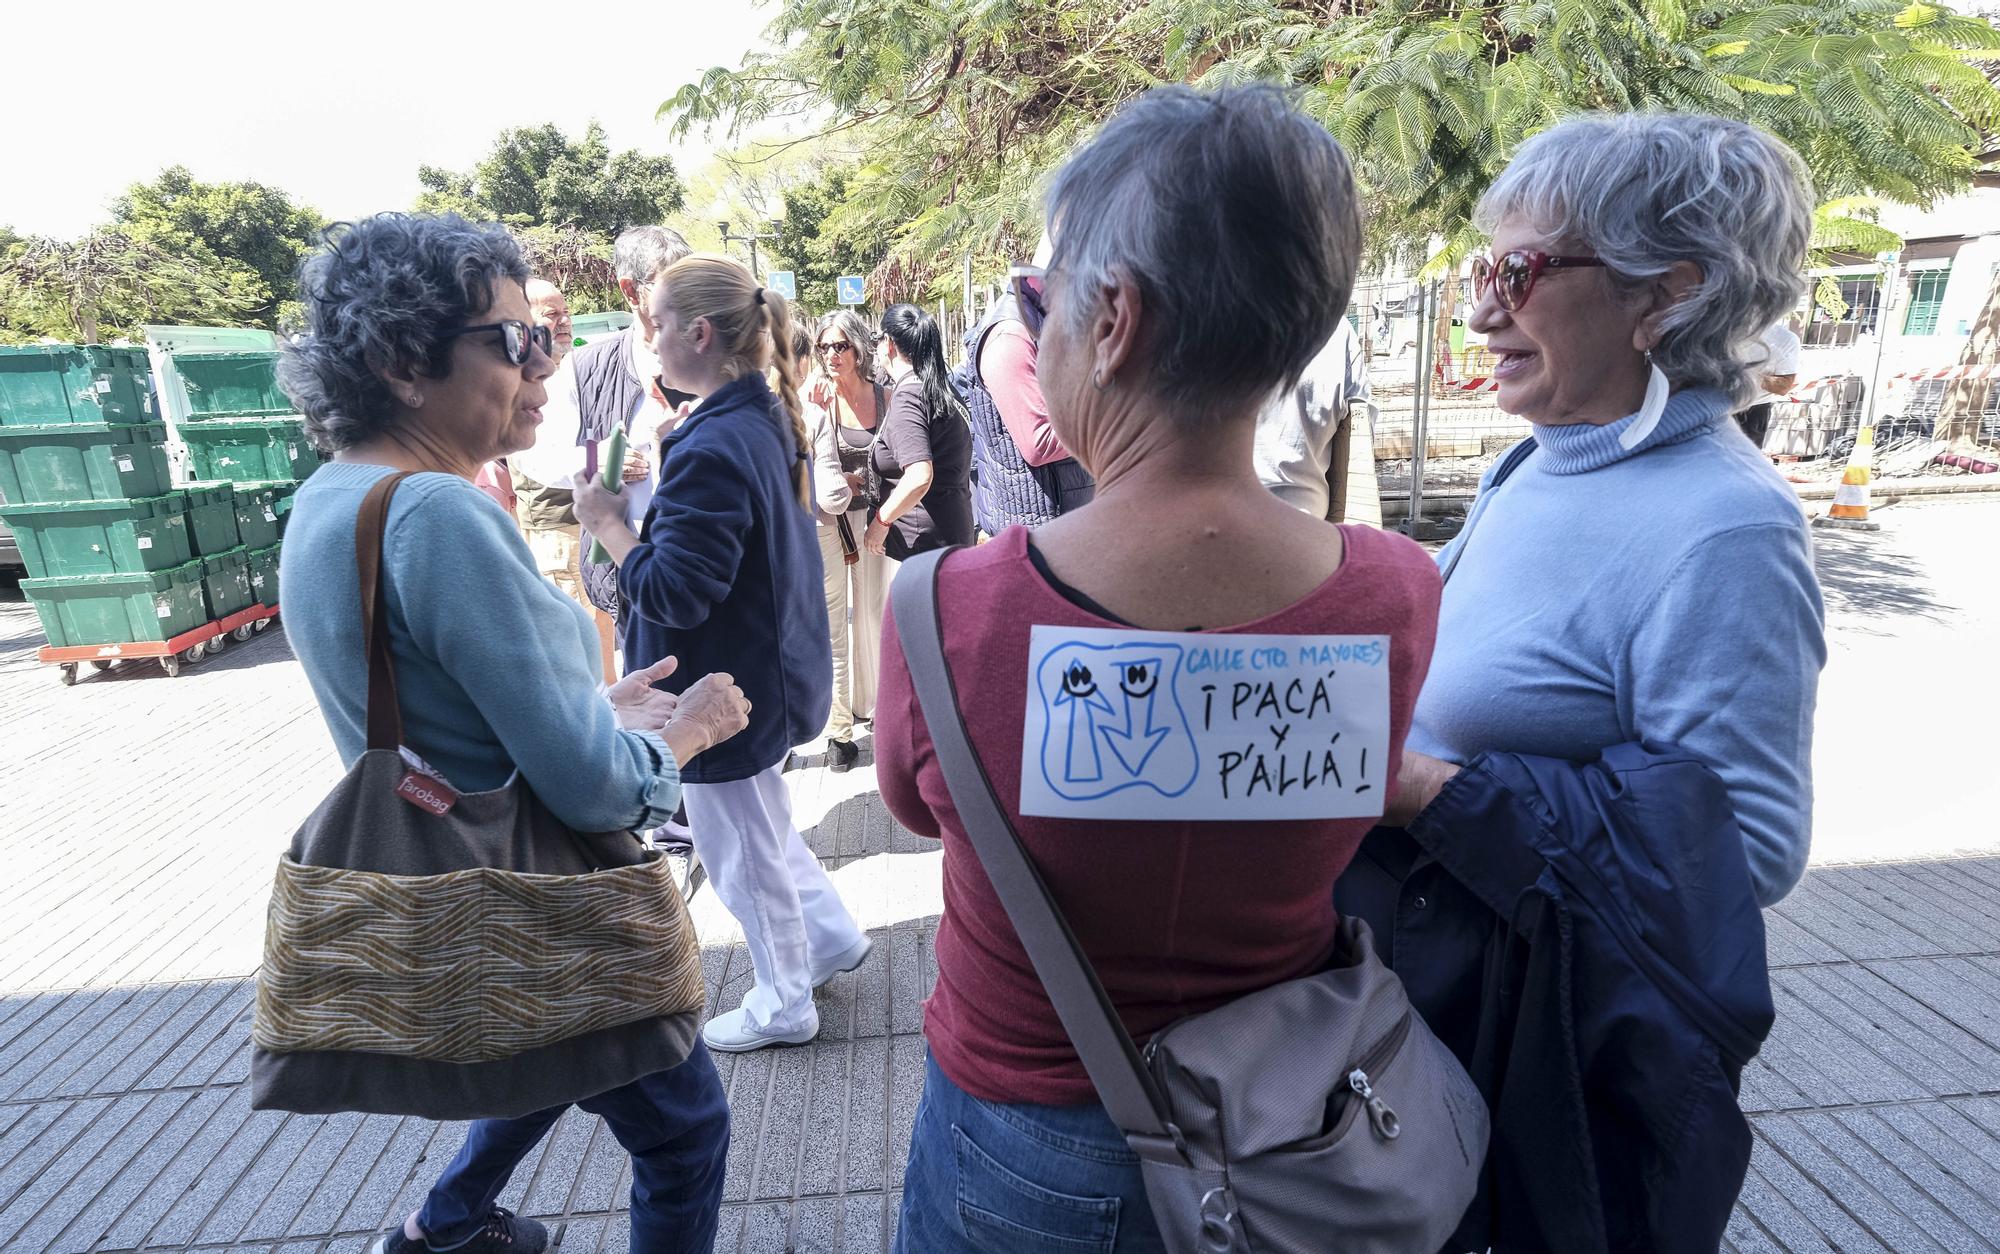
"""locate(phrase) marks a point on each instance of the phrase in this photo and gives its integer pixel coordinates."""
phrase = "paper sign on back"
(1188, 725)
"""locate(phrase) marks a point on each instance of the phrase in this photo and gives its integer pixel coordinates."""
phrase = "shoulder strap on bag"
(1509, 463)
(1128, 1092)
(371, 524)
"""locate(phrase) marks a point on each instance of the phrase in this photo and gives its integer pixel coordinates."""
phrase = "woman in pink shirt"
(1160, 334)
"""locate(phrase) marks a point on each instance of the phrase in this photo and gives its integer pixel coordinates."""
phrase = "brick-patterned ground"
(140, 817)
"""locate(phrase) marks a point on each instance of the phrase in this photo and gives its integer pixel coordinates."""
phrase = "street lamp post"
(730, 237)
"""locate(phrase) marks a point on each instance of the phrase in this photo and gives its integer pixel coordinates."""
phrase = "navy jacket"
(1585, 939)
(727, 578)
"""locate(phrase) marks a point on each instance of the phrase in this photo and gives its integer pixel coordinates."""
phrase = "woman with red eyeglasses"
(843, 427)
(1639, 572)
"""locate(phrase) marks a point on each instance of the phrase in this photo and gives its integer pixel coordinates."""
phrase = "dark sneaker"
(504, 1233)
(840, 755)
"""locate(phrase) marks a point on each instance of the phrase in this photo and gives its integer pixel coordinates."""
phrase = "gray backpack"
(1318, 1114)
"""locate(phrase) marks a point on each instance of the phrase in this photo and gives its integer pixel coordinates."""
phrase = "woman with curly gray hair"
(1636, 571)
(422, 357)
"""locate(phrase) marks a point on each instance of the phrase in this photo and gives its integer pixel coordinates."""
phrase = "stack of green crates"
(242, 434)
(84, 484)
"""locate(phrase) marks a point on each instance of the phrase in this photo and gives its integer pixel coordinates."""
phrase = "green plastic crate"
(101, 537)
(119, 609)
(264, 575)
(231, 385)
(256, 515)
(40, 465)
(249, 450)
(61, 384)
(225, 577)
(211, 511)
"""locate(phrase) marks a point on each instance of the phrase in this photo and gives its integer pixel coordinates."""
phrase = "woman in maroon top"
(1164, 332)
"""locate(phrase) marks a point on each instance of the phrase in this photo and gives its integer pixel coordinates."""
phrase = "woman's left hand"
(876, 541)
(640, 706)
(597, 509)
(1421, 780)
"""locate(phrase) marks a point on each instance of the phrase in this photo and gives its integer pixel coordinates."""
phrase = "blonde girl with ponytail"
(725, 577)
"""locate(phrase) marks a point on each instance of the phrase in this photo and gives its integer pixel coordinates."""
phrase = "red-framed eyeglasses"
(1512, 275)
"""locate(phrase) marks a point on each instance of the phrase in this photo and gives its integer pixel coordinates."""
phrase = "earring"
(1098, 381)
(416, 400)
(1650, 409)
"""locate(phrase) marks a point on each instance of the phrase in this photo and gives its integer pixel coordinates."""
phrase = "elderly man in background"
(1776, 376)
(1303, 434)
(603, 387)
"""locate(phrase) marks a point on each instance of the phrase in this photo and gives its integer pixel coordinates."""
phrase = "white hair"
(1642, 191)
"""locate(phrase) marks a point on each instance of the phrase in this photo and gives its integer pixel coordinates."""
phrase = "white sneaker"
(846, 960)
(731, 1033)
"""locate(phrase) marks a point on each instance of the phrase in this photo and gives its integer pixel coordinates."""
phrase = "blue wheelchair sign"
(784, 283)
(851, 289)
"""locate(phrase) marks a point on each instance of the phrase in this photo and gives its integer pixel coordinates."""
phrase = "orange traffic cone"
(1850, 499)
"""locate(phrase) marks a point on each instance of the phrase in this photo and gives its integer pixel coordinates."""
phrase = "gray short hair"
(1235, 215)
(640, 252)
(1645, 190)
(379, 295)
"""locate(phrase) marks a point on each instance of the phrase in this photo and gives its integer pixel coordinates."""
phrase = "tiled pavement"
(139, 820)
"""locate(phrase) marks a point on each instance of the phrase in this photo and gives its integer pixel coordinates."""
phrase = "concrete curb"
(1882, 491)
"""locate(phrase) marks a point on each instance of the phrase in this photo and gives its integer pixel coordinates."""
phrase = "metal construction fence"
(1437, 426)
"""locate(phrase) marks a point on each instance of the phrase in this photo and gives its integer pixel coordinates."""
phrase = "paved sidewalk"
(140, 818)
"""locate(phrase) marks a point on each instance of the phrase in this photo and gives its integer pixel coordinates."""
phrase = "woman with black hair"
(923, 449)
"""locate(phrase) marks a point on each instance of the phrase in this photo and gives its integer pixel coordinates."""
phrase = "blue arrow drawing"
(1134, 743)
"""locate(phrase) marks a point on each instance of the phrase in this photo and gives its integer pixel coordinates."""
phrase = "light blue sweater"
(495, 668)
(1600, 597)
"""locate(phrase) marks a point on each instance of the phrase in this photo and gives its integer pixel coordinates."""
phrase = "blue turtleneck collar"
(1579, 447)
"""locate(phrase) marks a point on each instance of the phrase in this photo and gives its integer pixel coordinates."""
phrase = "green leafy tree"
(247, 235)
(109, 284)
(815, 244)
(575, 260)
(538, 176)
(969, 104)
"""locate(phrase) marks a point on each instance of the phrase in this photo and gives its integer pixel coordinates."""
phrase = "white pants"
(762, 871)
(860, 590)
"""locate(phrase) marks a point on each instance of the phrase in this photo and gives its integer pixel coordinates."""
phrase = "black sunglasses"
(515, 338)
(836, 346)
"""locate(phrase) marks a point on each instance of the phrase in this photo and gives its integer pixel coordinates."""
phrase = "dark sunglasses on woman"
(1512, 275)
(516, 338)
(835, 346)
(1029, 284)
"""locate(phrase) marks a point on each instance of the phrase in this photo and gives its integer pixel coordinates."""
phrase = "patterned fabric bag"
(460, 956)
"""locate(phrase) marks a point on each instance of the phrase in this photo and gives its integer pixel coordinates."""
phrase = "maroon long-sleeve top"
(1177, 917)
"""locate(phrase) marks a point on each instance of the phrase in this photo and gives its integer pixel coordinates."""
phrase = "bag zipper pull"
(1380, 1117)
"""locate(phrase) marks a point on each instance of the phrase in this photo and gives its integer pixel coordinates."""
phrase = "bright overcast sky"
(337, 103)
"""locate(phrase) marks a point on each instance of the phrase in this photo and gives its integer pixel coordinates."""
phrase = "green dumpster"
(101, 537)
(82, 463)
(256, 515)
(231, 385)
(249, 449)
(225, 577)
(264, 576)
(211, 510)
(59, 384)
(118, 609)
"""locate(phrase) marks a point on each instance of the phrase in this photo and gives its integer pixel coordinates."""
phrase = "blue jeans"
(675, 1124)
(1013, 1178)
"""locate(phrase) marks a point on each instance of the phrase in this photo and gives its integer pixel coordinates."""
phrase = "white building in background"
(1944, 274)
